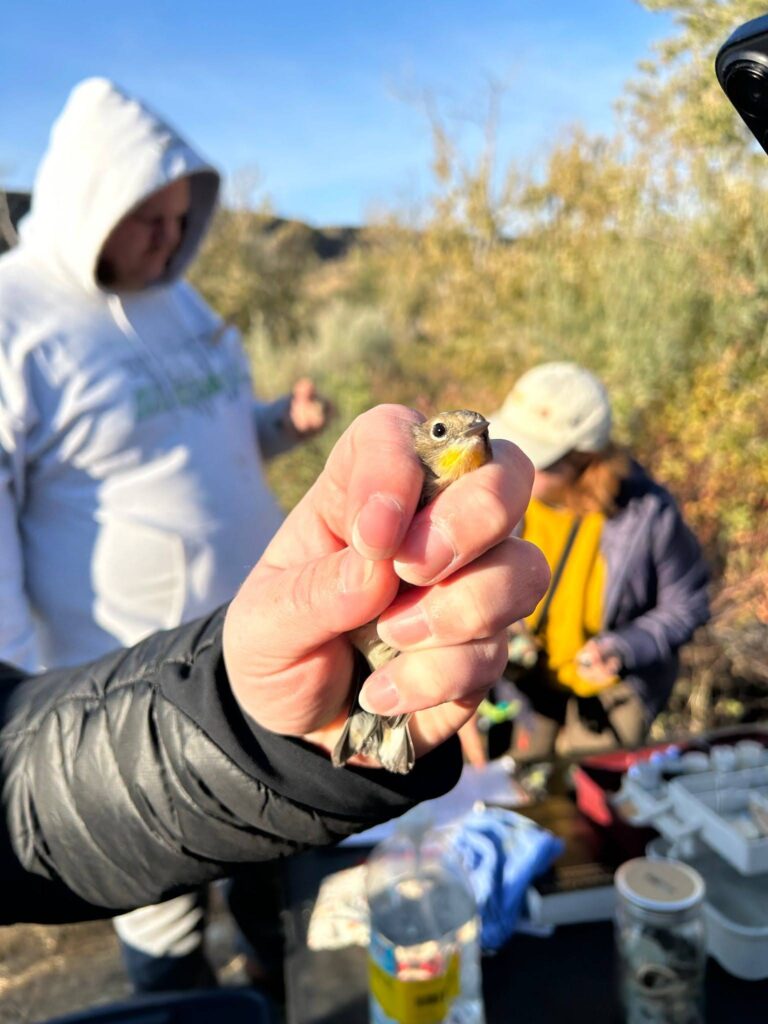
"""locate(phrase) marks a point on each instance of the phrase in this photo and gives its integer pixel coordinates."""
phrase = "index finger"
(468, 518)
(365, 496)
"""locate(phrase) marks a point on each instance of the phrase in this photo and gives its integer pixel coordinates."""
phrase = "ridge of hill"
(326, 243)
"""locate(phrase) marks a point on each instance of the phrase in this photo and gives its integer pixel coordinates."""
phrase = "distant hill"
(326, 243)
(330, 243)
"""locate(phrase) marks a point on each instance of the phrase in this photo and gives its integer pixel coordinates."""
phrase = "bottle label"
(408, 1000)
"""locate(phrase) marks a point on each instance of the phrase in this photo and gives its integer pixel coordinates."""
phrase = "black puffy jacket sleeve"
(138, 777)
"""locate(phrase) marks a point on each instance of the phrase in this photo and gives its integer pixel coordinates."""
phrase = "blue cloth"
(502, 852)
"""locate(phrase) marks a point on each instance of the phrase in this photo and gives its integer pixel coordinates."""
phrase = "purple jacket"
(656, 587)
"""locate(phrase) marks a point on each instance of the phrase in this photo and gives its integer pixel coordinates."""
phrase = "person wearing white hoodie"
(132, 491)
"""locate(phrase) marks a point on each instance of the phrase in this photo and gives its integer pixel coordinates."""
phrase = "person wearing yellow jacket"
(597, 659)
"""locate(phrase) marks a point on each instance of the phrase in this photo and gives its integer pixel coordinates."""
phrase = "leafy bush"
(642, 256)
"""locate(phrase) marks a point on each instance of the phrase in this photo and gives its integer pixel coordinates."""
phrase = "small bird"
(448, 445)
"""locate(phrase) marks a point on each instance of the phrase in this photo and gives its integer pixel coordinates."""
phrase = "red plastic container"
(598, 776)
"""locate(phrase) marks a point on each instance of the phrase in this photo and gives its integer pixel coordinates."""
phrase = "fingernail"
(427, 551)
(376, 530)
(410, 627)
(379, 695)
(356, 572)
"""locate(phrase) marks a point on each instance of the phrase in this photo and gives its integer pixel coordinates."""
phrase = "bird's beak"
(478, 427)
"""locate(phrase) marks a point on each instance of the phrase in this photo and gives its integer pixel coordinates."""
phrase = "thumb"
(299, 608)
(304, 388)
(285, 649)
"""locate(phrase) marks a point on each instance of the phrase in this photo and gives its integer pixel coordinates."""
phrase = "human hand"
(309, 412)
(337, 562)
(522, 647)
(472, 743)
(597, 667)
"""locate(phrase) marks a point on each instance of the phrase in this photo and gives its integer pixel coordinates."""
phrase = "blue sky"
(320, 97)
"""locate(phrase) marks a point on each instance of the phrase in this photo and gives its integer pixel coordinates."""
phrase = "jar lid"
(659, 884)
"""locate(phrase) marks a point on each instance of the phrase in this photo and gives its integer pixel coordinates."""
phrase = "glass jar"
(660, 941)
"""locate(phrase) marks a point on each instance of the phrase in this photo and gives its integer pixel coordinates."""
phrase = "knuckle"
(524, 467)
(499, 657)
(481, 665)
(296, 596)
(478, 615)
(371, 422)
(518, 462)
(536, 575)
(491, 508)
(459, 615)
(491, 657)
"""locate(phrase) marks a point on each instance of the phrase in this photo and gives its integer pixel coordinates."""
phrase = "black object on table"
(565, 978)
(570, 977)
(323, 986)
(235, 1006)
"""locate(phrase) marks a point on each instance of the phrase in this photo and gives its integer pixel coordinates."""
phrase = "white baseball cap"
(553, 409)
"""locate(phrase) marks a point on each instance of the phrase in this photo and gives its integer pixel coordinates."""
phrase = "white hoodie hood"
(132, 495)
(108, 152)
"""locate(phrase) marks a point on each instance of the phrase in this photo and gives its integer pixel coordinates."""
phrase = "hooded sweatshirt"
(132, 495)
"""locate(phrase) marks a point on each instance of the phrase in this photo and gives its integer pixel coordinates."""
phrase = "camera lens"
(746, 83)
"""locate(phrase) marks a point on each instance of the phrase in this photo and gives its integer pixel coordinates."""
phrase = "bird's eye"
(439, 430)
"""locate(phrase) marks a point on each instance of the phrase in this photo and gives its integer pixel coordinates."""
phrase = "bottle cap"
(695, 761)
(647, 774)
(723, 757)
(659, 884)
(751, 753)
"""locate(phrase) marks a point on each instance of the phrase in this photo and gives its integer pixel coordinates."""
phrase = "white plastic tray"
(713, 806)
(736, 912)
(718, 803)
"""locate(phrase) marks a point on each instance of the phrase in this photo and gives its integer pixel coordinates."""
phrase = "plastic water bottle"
(424, 953)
